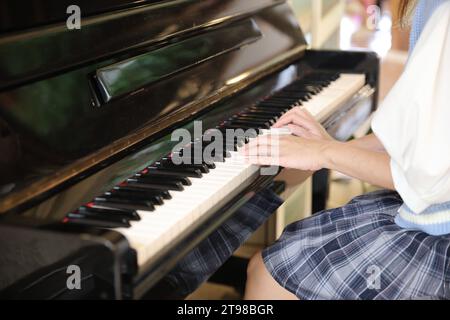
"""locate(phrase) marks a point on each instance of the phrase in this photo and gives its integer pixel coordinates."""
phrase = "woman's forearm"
(369, 142)
(364, 164)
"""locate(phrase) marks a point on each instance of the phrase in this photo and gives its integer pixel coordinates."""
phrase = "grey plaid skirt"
(352, 252)
(358, 252)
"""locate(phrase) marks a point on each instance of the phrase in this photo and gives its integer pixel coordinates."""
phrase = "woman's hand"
(288, 151)
(314, 154)
(302, 124)
(304, 150)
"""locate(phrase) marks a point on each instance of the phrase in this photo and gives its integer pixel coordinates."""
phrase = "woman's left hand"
(288, 151)
(302, 124)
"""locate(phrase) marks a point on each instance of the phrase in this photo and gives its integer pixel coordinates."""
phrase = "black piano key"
(144, 191)
(197, 156)
(163, 179)
(262, 112)
(335, 76)
(167, 160)
(299, 94)
(229, 141)
(215, 157)
(163, 186)
(239, 126)
(231, 147)
(252, 125)
(249, 133)
(281, 102)
(78, 218)
(119, 203)
(105, 215)
(168, 164)
(216, 153)
(171, 183)
(135, 195)
(271, 115)
(249, 117)
(256, 124)
(314, 88)
(295, 94)
(235, 143)
(274, 105)
(299, 97)
(135, 200)
(249, 121)
(93, 208)
(316, 82)
(281, 98)
(178, 175)
(308, 88)
(224, 153)
(220, 156)
(304, 98)
(265, 108)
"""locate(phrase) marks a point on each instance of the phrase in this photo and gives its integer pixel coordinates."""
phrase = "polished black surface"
(13, 17)
(134, 73)
(39, 119)
(33, 54)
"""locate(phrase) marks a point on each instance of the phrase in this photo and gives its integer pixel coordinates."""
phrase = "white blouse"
(413, 122)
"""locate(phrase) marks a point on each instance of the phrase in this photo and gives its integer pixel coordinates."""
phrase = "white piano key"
(331, 97)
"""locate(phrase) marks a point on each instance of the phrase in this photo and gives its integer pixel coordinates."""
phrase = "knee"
(255, 265)
(260, 284)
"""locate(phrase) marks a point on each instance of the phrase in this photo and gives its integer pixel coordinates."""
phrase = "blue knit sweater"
(407, 218)
(424, 10)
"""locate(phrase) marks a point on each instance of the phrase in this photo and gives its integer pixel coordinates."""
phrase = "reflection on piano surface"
(87, 174)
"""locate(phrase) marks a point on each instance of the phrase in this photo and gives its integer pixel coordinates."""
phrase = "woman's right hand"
(302, 124)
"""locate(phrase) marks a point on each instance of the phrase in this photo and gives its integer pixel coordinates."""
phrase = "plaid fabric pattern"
(358, 252)
(211, 253)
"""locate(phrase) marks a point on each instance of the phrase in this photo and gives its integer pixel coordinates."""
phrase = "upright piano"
(87, 176)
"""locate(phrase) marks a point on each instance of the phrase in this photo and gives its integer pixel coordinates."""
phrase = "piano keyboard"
(156, 205)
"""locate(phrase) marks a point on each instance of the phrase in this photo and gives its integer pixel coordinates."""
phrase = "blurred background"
(331, 24)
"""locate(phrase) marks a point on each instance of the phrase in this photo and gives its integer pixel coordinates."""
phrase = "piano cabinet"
(89, 180)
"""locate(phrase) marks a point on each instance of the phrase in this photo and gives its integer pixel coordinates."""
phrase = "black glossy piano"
(87, 176)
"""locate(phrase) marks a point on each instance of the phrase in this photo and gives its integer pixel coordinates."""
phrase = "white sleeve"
(413, 123)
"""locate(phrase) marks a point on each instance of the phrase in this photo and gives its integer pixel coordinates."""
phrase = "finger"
(308, 120)
(285, 119)
(263, 161)
(266, 151)
(266, 139)
(297, 119)
(299, 131)
(254, 144)
(293, 111)
(303, 111)
(287, 114)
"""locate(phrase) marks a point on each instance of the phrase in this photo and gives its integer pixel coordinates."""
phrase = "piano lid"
(13, 17)
(71, 100)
